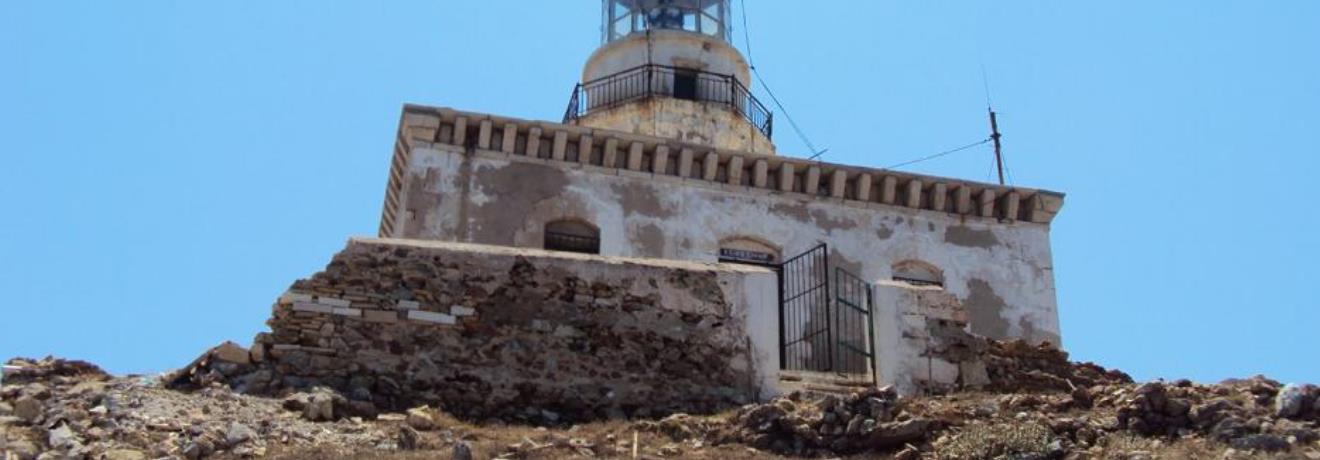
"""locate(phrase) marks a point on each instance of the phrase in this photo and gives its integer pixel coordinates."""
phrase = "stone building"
(664, 153)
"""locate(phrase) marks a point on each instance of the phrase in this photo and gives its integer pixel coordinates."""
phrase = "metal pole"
(994, 135)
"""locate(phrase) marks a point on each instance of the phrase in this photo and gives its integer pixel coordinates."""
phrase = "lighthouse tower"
(667, 68)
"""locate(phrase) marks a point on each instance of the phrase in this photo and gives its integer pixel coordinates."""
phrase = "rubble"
(1017, 366)
(419, 418)
(72, 409)
(66, 409)
(865, 420)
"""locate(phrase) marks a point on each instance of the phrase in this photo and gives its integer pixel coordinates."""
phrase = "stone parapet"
(662, 157)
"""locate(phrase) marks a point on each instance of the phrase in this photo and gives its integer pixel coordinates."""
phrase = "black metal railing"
(658, 80)
(556, 241)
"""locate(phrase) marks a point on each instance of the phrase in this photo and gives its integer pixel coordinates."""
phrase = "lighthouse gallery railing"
(657, 80)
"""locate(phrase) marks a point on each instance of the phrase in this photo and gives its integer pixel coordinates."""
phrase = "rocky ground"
(1039, 406)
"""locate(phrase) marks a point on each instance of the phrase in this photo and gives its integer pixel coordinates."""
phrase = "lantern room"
(669, 68)
(622, 18)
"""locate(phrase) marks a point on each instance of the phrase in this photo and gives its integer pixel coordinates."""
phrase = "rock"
(37, 390)
(1176, 407)
(198, 448)
(1155, 409)
(420, 418)
(1288, 404)
(27, 408)
(462, 451)
(232, 353)
(319, 410)
(670, 450)
(296, 402)
(761, 418)
(1229, 428)
(854, 425)
(408, 438)
(192, 451)
(1260, 442)
(908, 453)
(319, 405)
(1082, 398)
(897, 433)
(258, 353)
(1210, 413)
(21, 448)
(238, 433)
(124, 454)
(63, 437)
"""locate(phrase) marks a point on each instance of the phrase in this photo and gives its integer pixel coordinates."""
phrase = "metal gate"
(824, 330)
(852, 319)
(804, 313)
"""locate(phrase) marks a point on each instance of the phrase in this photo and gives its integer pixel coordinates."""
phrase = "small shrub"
(998, 442)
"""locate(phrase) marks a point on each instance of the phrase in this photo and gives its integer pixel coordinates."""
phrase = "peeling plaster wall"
(1001, 270)
(704, 123)
(922, 339)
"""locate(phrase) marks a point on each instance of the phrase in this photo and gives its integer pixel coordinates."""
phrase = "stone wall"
(482, 179)
(531, 335)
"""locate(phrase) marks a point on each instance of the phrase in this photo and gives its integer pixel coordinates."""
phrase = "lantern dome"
(622, 18)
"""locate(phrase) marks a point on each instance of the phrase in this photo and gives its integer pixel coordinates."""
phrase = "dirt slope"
(1039, 405)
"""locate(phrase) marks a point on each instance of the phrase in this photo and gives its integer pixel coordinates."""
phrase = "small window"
(918, 273)
(572, 236)
(685, 84)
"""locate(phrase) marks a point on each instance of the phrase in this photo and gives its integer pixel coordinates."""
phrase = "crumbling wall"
(924, 339)
(926, 343)
(517, 334)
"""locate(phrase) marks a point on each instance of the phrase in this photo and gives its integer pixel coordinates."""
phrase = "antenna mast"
(994, 135)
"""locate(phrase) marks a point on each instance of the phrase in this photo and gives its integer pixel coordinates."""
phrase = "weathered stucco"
(1001, 269)
(708, 123)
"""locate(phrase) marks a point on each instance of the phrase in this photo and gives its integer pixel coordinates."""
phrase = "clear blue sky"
(168, 168)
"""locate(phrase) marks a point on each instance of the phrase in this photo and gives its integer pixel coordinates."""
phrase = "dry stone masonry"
(502, 333)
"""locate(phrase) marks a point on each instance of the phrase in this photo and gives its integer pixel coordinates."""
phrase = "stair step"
(825, 378)
(822, 382)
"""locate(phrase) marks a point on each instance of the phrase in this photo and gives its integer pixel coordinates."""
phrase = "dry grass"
(1128, 446)
(995, 441)
(610, 439)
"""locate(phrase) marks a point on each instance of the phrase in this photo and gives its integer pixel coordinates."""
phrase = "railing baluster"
(658, 80)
